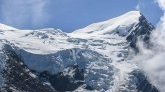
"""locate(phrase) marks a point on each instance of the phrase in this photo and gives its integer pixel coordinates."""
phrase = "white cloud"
(161, 4)
(161, 25)
(24, 12)
(137, 7)
(153, 61)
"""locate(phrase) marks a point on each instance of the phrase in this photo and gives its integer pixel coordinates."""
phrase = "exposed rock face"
(138, 81)
(142, 31)
(18, 78)
(62, 82)
(142, 83)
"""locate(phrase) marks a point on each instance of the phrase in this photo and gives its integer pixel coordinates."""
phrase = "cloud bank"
(24, 12)
(162, 22)
(152, 61)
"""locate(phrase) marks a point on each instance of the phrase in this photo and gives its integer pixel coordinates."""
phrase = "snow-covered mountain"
(96, 58)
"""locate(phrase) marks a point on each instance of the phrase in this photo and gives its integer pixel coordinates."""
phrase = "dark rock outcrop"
(142, 31)
(19, 78)
(142, 83)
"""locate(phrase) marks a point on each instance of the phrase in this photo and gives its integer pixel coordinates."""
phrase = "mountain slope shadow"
(19, 78)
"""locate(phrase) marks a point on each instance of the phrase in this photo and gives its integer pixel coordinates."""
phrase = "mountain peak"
(125, 21)
(135, 13)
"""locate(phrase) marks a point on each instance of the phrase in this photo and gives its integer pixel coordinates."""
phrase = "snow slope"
(121, 23)
(35, 40)
(5, 27)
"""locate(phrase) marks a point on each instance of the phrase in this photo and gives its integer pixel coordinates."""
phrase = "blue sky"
(70, 15)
